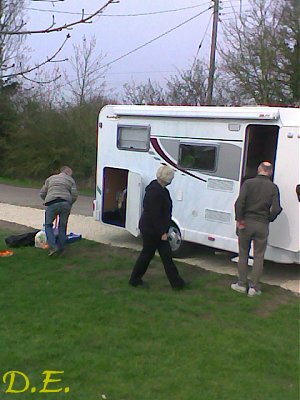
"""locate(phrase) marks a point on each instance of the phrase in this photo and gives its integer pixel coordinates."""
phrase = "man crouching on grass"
(59, 192)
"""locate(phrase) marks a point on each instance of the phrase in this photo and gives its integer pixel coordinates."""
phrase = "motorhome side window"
(134, 138)
(199, 157)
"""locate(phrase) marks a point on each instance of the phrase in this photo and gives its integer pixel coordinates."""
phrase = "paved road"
(30, 198)
(285, 276)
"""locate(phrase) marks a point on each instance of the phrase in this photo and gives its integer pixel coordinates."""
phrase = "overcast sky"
(127, 25)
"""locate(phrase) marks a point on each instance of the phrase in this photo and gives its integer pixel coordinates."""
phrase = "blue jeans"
(62, 210)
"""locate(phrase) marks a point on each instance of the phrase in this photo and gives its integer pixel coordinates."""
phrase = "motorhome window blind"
(134, 138)
(198, 157)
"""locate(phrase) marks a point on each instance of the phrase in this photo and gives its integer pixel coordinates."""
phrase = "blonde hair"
(165, 174)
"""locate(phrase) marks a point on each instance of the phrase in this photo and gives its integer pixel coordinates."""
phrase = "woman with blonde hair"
(154, 226)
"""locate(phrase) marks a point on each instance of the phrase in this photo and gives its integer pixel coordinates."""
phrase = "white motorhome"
(212, 150)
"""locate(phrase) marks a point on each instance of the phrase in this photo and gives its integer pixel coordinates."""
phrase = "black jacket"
(156, 216)
(258, 199)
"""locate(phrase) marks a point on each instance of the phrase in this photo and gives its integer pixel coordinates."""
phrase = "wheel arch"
(175, 221)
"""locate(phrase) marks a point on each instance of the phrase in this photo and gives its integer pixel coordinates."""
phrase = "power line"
(231, 7)
(233, 14)
(154, 39)
(139, 72)
(120, 15)
(145, 44)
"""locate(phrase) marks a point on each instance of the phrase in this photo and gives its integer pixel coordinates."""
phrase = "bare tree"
(253, 56)
(144, 93)
(11, 54)
(290, 46)
(45, 88)
(189, 86)
(89, 70)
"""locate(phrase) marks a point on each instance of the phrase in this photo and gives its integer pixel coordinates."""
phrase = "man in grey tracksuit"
(258, 204)
(59, 192)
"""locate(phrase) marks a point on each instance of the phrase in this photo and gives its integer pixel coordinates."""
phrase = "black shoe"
(139, 283)
(181, 286)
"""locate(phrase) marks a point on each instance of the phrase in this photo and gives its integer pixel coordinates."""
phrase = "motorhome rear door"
(284, 232)
(133, 203)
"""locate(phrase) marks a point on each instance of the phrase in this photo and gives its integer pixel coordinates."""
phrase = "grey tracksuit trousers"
(257, 232)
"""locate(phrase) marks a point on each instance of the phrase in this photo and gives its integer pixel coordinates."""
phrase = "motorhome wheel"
(178, 246)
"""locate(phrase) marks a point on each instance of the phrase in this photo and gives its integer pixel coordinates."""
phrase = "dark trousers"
(151, 243)
(257, 232)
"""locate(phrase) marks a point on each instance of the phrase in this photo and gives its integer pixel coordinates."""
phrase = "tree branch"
(51, 29)
(49, 60)
(42, 82)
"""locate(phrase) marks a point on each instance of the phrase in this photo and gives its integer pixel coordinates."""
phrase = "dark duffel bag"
(24, 239)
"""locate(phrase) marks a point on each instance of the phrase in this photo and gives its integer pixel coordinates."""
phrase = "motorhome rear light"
(211, 239)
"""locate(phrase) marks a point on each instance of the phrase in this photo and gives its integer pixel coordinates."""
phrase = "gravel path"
(87, 226)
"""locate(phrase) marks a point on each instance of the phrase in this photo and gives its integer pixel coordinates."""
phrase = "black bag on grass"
(24, 239)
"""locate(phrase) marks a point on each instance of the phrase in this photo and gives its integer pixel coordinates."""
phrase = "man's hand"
(164, 236)
(240, 224)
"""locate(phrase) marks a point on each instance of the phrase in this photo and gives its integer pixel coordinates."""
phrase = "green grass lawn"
(20, 182)
(77, 314)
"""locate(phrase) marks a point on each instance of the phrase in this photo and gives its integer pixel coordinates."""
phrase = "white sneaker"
(238, 288)
(253, 292)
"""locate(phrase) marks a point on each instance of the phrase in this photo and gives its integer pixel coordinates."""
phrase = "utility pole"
(212, 63)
